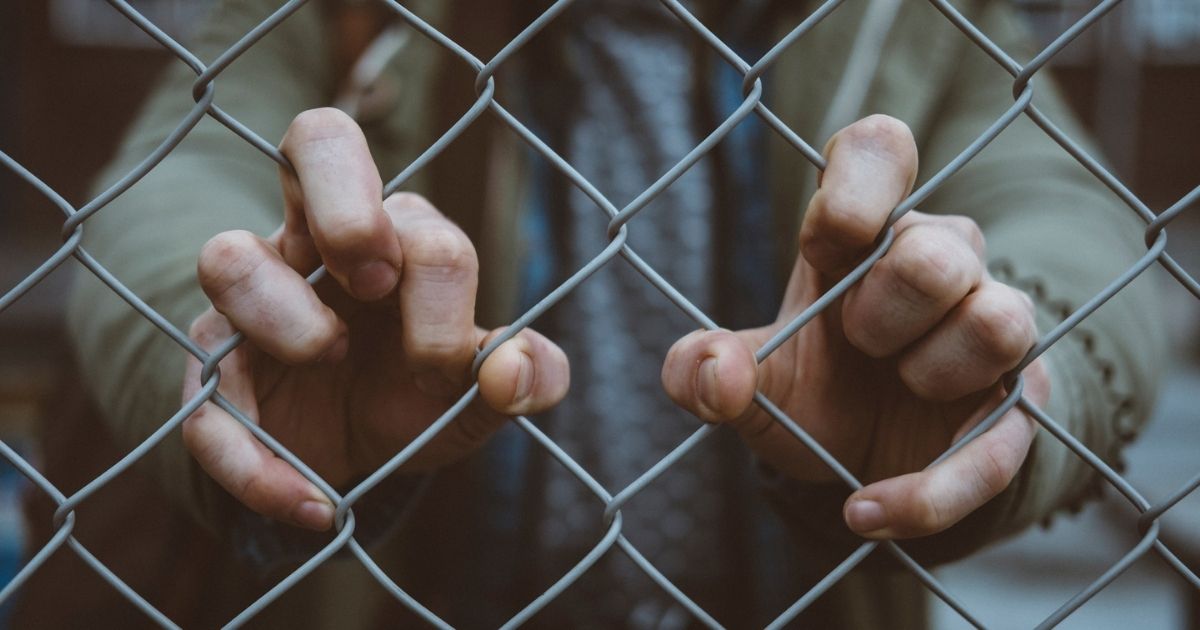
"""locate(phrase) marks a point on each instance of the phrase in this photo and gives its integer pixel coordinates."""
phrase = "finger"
(927, 502)
(928, 270)
(335, 197)
(437, 291)
(871, 167)
(249, 283)
(712, 374)
(524, 375)
(983, 337)
(210, 330)
(231, 455)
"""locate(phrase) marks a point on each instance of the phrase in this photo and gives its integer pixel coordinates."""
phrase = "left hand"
(888, 376)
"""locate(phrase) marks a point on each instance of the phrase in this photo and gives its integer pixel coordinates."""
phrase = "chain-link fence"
(204, 93)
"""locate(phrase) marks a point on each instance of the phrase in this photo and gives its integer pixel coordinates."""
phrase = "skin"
(345, 375)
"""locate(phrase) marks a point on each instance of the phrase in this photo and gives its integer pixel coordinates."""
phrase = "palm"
(348, 418)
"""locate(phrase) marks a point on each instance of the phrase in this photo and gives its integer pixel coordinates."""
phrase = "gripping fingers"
(986, 335)
(526, 374)
(437, 291)
(872, 165)
(248, 282)
(230, 454)
(334, 201)
(927, 502)
(927, 271)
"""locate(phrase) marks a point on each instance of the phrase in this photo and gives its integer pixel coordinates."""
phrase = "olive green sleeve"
(150, 236)
(1055, 231)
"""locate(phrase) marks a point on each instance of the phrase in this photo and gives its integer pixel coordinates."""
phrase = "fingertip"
(730, 378)
(872, 164)
(553, 371)
(866, 517)
(313, 514)
(908, 506)
(712, 374)
(926, 385)
(526, 374)
(506, 376)
(325, 339)
(373, 280)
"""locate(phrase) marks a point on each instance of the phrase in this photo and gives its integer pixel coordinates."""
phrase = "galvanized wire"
(609, 504)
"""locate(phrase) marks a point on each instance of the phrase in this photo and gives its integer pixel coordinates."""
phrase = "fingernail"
(316, 515)
(373, 280)
(865, 516)
(707, 383)
(524, 380)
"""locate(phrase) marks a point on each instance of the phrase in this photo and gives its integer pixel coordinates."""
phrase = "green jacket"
(1051, 228)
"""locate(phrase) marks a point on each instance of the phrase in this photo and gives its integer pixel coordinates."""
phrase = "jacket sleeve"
(150, 236)
(1055, 231)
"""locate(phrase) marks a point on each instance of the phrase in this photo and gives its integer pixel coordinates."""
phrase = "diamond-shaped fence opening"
(492, 105)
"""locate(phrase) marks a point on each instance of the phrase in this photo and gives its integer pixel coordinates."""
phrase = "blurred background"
(72, 73)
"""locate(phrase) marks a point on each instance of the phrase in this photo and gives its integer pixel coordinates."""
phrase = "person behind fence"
(345, 373)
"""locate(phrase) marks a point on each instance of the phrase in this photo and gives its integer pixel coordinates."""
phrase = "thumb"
(929, 501)
(525, 375)
(712, 374)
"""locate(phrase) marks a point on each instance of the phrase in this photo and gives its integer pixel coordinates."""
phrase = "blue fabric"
(754, 289)
(509, 458)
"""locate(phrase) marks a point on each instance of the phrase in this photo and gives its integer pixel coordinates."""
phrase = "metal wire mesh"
(203, 93)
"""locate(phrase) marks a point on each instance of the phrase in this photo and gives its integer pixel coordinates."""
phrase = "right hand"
(345, 373)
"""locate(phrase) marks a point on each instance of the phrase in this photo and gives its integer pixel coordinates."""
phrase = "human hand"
(345, 373)
(888, 376)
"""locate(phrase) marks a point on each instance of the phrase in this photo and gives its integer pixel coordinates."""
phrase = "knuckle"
(441, 247)
(842, 219)
(927, 511)
(969, 230)
(1002, 326)
(318, 124)
(990, 472)
(255, 494)
(918, 379)
(312, 340)
(861, 328)
(1026, 300)
(226, 260)
(931, 268)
